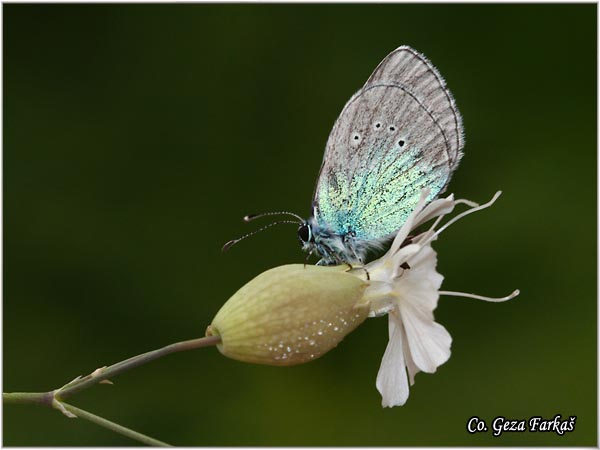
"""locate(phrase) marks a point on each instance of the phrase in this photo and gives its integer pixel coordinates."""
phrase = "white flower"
(404, 284)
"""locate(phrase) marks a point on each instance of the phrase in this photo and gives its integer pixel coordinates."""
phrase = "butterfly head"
(330, 246)
(305, 235)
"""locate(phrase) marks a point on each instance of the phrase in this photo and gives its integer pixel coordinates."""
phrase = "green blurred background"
(136, 138)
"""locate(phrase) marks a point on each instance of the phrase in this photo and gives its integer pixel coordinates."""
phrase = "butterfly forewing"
(408, 68)
(397, 135)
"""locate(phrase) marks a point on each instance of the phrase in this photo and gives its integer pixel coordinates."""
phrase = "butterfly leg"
(351, 267)
(328, 258)
(366, 272)
(307, 257)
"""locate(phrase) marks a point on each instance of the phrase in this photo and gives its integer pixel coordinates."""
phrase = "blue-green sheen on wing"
(399, 134)
(382, 151)
(380, 204)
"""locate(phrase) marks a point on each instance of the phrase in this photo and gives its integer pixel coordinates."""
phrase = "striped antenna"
(251, 217)
(231, 243)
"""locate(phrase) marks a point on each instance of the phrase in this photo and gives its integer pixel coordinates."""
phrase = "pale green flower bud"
(290, 314)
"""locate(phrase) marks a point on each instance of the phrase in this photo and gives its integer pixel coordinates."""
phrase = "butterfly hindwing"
(397, 135)
(407, 67)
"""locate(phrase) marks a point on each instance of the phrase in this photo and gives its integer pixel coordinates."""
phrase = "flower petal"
(401, 256)
(386, 276)
(410, 364)
(392, 381)
(436, 208)
(428, 341)
(421, 282)
(408, 225)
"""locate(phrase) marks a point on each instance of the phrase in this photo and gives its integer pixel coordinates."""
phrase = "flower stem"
(114, 426)
(131, 363)
(28, 398)
(53, 399)
(48, 399)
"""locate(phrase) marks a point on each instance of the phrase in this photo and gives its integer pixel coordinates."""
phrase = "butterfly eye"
(304, 233)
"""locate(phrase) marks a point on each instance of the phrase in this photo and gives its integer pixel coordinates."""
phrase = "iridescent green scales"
(372, 205)
(399, 134)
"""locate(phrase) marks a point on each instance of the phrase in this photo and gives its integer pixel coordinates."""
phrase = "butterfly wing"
(408, 68)
(400, 133)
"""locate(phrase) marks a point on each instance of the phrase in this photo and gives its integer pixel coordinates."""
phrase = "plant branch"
(49, 399)
(105, 373)
(114, 426)
(28, 398)
(53, 399)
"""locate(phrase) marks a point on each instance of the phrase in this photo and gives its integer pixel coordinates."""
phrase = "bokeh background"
(136, 138)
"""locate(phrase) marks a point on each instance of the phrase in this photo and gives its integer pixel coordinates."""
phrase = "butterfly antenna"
(251, 217)
(231, 243)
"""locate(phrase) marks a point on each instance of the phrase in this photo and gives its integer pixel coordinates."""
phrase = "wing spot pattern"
(375, 199)
(356, 139)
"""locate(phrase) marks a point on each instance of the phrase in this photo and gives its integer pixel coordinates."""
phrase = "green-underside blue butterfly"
(400, 133)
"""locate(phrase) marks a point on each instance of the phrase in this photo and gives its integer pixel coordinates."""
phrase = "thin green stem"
(114, 426)
(53, 399)
(48, 399)
(28, 398)
(136, 361)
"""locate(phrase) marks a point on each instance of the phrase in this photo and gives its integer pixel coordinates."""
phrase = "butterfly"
(399, 134)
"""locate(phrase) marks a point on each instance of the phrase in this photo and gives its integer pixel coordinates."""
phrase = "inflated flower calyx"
(290, 314)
